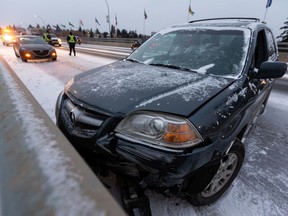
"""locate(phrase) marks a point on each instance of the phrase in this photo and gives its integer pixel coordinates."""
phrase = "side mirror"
(271, 70)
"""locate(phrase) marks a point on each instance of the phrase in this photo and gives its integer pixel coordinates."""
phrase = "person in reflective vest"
(71, 40)
(47, 37)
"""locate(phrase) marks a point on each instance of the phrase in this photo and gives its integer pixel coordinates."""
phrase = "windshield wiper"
(173, 67)
(132, 60)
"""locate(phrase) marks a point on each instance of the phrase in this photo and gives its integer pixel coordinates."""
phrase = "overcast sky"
(130, 13)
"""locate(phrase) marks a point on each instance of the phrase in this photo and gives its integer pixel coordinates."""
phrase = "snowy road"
(262, 185)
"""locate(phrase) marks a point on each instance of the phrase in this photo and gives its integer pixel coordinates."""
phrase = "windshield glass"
(219, 52)
(32, 40)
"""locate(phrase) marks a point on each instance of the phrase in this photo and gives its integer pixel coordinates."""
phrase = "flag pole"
(116, 23)
(188, 11)
(145, 17)
(144, 27)
(268, 4)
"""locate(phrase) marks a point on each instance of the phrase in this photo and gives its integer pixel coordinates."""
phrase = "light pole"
(108, 19)
(41, 20)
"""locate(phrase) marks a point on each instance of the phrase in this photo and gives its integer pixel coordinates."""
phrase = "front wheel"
(16, 54)
(23, 59)
(228, 170)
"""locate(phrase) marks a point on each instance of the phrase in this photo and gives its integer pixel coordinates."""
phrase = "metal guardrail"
(282, 46)
(117, 55)
(40, 172)
(119, 42)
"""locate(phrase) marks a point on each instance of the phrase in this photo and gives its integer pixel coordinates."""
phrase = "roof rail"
(227, 18)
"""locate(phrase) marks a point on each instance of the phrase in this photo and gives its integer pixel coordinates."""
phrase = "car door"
(259, 89)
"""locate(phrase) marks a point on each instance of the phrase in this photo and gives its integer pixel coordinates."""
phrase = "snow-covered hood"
(123, 87)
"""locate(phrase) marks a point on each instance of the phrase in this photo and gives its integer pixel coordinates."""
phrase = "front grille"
(41, 53)
(79, 121)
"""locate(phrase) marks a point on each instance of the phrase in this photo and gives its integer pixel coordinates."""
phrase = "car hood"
(123, 87)
(36, 46)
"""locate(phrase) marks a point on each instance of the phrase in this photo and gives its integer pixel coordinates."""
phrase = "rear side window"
(272, 50)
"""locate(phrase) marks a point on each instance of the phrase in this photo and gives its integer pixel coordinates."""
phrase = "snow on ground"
(66, 67)
(261, 187)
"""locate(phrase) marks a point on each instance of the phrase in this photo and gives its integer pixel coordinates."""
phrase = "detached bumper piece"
(134, 200)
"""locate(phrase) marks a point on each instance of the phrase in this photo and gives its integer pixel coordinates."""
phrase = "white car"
(55, 41)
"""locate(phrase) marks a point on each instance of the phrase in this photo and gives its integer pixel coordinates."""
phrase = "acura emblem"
(74, 115)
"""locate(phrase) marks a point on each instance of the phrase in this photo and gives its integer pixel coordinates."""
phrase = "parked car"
(55, 41)
(31, 47)
(174, 115)
(78, 39)
(135, 45)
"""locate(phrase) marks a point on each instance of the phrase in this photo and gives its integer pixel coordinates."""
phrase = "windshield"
(219, 52)
(32, 40)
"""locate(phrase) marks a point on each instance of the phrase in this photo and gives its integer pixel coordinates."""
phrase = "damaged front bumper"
(148, 165)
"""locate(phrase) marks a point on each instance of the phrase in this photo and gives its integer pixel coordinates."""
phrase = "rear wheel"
(226, 173)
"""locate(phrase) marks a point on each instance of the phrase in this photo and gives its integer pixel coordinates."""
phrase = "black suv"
(175, 113)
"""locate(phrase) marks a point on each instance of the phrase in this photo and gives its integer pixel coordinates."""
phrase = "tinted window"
(32, 40)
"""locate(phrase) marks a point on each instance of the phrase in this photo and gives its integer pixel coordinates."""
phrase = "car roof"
(28, 36)
(226, 22)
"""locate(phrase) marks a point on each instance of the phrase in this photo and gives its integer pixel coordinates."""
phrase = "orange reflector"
(178, 128)
(179, 138)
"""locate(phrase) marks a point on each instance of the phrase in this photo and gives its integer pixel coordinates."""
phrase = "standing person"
(71, 39)
(46, 36)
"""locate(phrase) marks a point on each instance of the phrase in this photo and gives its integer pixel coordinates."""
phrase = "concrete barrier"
(40, 172)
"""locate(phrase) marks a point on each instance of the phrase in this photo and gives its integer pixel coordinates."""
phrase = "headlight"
(8, 37)
(53, 53)
(159, 129)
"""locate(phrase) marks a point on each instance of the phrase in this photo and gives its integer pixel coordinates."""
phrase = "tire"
(229, 168)
(16, 54)
(24, 60)
(54, 59)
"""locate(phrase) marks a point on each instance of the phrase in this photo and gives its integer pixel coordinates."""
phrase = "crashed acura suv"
(174, 115)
